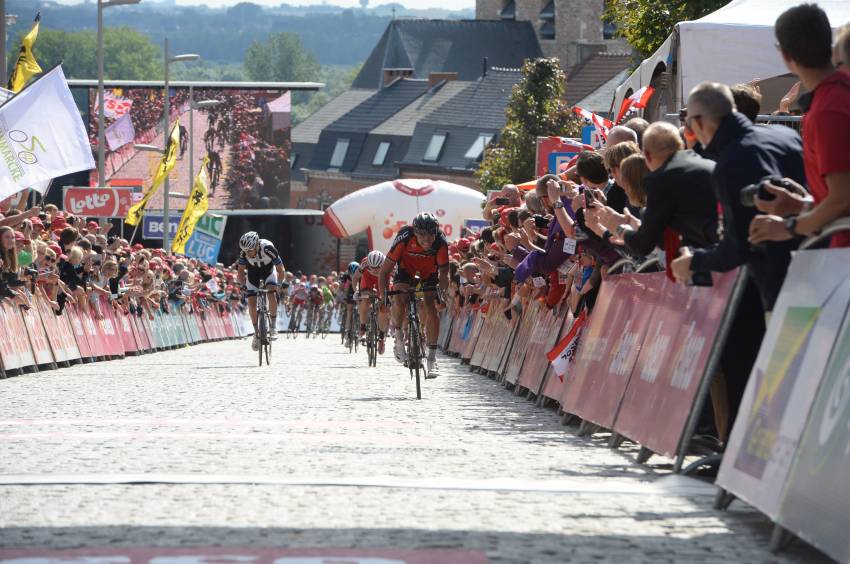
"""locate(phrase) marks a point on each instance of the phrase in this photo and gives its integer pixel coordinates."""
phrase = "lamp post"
(193, 105)
(101, 133)
(165, 129)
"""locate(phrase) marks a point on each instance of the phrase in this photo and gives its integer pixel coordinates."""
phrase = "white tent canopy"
(735, 44)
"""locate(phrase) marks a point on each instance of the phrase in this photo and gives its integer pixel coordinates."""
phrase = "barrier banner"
(38, 342)
(609, 348)
(513, 327)
(15, 351)
(485, 338)
(462, 325)
(128, 339)
(785, 377)
(817, 495)
(58, 332)
(109, 328)
(544, 335)
(97, 340)
(78, 330)
(553, 388)
(662, 390)
(527, 322)
(474, 334)
(499, 344)
(142, 336)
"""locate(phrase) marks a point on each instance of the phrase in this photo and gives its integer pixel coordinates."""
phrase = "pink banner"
(543, 337)
(668, 372)
(609, 349)
(15, 351)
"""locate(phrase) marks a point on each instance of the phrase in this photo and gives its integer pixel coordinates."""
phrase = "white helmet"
(375, 259)
(249, 240)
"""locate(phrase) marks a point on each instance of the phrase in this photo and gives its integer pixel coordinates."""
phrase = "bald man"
(620, 134)
(679, 194)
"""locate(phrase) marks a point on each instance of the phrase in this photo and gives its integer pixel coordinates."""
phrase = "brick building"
(571, 30)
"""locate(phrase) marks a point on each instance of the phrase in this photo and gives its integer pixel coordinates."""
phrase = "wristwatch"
(558, 205)
(621, 229)
(791, 225)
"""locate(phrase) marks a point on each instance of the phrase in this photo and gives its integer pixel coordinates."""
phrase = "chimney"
(391, 75)
(436, 78)
(484, 66)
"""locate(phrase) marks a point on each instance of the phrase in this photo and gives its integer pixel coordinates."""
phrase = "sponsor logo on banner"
(97, 202)
(475, 225)
(799, 349)
(152, 225)
(205, 242)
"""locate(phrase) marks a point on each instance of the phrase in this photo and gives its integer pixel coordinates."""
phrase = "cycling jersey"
(368, 281)
(327, 295)
(261, 266)
(413, 259)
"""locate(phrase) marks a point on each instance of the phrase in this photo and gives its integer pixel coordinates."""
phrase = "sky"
(417, 4)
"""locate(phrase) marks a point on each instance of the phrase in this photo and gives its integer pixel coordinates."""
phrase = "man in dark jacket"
(679, 195)
(745, 154)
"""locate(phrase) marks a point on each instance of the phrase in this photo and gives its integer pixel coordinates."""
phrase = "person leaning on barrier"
(745, 155)
(679, 197)
(805, 41)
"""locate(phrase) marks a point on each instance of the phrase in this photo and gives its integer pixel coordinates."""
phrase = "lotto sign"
(97, 202)
(553, 152)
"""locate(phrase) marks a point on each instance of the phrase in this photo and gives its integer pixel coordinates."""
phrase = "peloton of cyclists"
(365, 283)
(418, 249)
(259, 261)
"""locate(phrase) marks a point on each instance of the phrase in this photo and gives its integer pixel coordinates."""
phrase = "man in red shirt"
(420, 250)
(805, 41)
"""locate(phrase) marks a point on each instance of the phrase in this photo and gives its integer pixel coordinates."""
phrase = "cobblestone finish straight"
(318, 417)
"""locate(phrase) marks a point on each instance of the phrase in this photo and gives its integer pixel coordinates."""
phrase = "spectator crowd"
(717, 193)
(68, 261)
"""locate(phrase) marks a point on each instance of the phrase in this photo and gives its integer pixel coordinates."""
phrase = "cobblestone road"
(199, 447)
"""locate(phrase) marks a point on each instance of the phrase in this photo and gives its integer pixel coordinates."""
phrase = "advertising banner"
(667, 376)
(608, 349)
(475, 225)
(784, 380)
(205, 242)
(817, 496)
(552, 152)
(153, 227)
(97, 202)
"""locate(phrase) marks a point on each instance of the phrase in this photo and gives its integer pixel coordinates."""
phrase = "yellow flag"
(26, 66)
(169, 158)
(196, 207)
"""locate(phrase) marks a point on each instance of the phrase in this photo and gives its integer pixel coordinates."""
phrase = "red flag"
(564, 352)
(637, 101)
(601, 124)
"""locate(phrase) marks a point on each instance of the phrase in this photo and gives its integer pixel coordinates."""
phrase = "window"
(478, 145)
(547, 30)
(381, 153)
(435, 147)
(340, 150)
(509, 11)
(293, 159)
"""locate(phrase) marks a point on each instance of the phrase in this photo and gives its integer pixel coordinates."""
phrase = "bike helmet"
(375, 259)
(352, 267)
(426, 223)
(249, 240)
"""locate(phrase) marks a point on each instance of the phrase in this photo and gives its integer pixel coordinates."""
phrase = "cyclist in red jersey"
(420, 250)
(365, 282)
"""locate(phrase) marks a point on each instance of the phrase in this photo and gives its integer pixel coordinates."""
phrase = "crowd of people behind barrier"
(66, 260)
(717, 193)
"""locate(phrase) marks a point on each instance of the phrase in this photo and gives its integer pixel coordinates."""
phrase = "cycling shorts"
(404, 277)
(257, 274)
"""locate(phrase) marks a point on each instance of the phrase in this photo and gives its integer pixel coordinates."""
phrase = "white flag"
(120, 133)
(41, 135)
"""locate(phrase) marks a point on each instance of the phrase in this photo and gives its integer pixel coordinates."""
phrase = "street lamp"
(165, 118)
(193, 105)
(101, 133)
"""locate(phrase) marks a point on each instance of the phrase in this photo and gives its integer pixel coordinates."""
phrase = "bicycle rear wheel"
(415, 355)
(262, 332)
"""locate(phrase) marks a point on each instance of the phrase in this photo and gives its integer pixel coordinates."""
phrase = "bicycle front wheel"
(262, 333)
(415, 357)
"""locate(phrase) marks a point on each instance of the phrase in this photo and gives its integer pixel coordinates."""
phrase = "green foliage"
(536, 109)
(128, 54)
(281, 57)
(336, 79)
(646, 24)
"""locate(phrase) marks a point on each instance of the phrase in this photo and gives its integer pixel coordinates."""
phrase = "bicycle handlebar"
(412, 291)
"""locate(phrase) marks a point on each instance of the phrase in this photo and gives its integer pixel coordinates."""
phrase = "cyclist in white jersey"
(259, 260)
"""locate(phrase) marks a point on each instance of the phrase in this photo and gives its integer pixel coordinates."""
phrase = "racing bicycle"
(414, 345)
(264, 322)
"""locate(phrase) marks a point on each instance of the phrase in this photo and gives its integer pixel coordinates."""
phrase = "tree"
(282, 57)
(128, 54)
(646, 24)
(536, 109)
